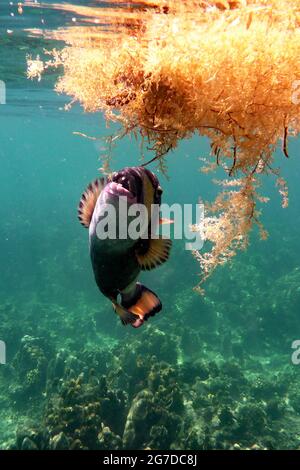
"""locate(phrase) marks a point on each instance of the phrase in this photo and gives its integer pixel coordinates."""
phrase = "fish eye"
(125, 183)
(159, 191)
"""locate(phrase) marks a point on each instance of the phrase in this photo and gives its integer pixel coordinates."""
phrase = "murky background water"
(207, 372)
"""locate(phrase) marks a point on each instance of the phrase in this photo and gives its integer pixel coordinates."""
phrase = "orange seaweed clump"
(230, 219)
(226, 70)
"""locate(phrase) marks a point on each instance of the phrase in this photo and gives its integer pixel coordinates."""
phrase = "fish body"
(118, 260)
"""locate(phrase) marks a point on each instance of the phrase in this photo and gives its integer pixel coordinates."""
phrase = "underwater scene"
(216, 369)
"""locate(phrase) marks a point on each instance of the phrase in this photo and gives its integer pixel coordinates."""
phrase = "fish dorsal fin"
(153, 252)
(88, 201)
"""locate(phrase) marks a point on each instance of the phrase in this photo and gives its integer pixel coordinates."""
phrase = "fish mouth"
(118, 190)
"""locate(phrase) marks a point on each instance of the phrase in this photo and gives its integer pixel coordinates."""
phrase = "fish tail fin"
(143, 303)
(126, 317)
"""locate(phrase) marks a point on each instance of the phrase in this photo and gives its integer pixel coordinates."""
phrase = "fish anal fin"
(153, 253)
(88, 201)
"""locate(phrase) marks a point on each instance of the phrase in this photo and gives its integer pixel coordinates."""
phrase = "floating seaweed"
(167, 70)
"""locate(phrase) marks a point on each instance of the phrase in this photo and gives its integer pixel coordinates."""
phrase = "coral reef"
(94, 400)
(209, 373)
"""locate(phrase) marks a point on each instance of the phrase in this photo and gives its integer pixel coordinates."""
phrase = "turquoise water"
(212, 372)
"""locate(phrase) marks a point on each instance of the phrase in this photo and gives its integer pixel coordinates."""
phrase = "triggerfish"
(117, 262)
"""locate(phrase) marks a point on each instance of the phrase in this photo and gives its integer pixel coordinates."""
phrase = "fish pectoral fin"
(126, 316)
(88, 201)
(153, 252)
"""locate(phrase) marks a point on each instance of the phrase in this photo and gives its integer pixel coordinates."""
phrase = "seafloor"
(207, 373)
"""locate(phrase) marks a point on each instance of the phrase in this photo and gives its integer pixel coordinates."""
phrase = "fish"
(118, 261)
